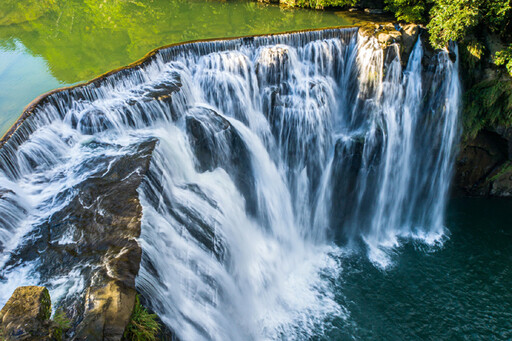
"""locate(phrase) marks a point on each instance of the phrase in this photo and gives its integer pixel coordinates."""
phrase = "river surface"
(454, 286)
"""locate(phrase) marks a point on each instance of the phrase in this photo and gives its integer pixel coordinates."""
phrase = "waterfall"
(273, 154)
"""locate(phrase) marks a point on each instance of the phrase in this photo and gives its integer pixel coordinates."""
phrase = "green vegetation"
(488, 104)
(455, 19)
(504, 58)
(323, 3)
(409, 10)
(61, 324)
(483, 29)
(143, 326)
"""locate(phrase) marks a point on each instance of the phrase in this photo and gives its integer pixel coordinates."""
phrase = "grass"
(143, 326)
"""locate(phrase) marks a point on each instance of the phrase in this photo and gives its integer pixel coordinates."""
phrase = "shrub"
(410, 10)
(504, 58)
(325, 3)
(143, 326)
(487, 104)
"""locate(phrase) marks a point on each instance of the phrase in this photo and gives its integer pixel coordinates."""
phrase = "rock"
(389, 34)
(103, 220)
(108, 311)
(389, 37)
(479, 164)
(501, 183)
(506, 133)
(26, 315)
(374, 11)
(409, 37)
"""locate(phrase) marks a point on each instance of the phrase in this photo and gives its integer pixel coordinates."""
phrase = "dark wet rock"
(410, 35)
(217, 143)
(95, 233)
(203, 124)
(347, 172)
(483, 167)
(92, 122)
(506, 133)
(163, 91)
(26, 315)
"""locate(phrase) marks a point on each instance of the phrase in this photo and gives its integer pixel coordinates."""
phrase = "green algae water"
(46, 44)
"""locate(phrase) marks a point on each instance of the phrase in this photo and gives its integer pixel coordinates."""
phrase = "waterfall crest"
(274, 153)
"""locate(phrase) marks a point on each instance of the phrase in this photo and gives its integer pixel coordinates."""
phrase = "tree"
(410, 10)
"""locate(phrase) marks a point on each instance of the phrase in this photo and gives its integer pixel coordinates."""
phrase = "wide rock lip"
(29, 109)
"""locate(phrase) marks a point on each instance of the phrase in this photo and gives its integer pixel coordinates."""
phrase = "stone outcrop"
(105, 215)
(110, 297)
(484, 166)
(388, 34)
(26, 315)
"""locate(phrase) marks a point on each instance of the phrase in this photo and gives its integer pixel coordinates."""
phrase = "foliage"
(409, 10)
(143, 326)
(471, 53)
(61, 320)
(3, 334)
(487, 104)
(61, 323)
(324, 3)
(497, 15)
(504, 58)
(451, 20)
(455, 19)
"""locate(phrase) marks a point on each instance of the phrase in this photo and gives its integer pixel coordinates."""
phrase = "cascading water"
(274, 154)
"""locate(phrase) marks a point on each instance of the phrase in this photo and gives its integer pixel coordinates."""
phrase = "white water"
(272, 153)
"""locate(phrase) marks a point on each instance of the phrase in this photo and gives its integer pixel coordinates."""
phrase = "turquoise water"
(461, 291)
(45, 44)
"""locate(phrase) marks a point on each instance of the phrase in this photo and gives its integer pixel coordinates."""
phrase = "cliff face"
(484, 166)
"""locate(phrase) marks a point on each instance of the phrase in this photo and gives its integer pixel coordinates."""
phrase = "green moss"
(487, 104)
(143, 326)
(60, 324)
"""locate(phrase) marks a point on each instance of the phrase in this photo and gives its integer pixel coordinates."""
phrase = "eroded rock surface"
(26, 315)
(388, 34)
(484, 167)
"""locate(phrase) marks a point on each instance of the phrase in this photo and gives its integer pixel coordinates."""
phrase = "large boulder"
(26, 315)
(388, 34)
